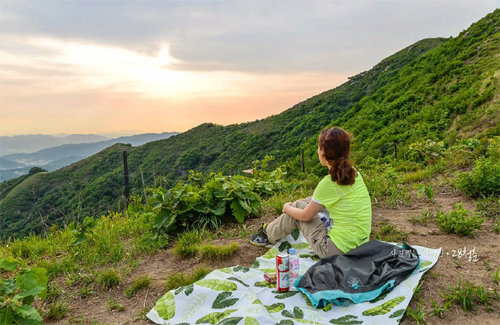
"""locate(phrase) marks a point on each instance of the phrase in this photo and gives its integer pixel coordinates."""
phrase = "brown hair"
(335, 144)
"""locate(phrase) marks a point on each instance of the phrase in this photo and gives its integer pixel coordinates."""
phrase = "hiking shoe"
(260, 238)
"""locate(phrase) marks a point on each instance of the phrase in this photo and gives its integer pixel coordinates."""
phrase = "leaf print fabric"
(240, 295)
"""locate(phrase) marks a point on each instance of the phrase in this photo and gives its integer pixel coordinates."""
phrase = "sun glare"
(124, 70)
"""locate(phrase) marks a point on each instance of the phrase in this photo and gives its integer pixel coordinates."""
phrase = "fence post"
(125, 177)
(303, 162)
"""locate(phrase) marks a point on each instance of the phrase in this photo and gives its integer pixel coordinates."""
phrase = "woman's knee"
(301, 204)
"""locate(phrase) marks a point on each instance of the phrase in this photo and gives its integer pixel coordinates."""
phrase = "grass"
(187, 244)
(140, 283)
(386, 186)
(489, 207)
(439, 310)
(86, 291)
(389, 233)
(468, 296)
(424, 218)
(181, 279)
(217, 252)
(108, 279)
(114, 305)
(417, 315)
(104, 246)
(57, 310)
(190, 244)
(243, 231)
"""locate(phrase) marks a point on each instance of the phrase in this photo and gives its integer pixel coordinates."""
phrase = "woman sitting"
(342, 193)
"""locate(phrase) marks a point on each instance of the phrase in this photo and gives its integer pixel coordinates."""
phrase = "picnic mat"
(240, 295)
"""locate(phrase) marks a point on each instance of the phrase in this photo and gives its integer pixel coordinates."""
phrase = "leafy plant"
(439, 310)
(84, 230)
(458, 221)
(114, 305)
(417, 315)
(18, 292)
(425, 150)
(209, 200)
(484, 179)
(425, 188)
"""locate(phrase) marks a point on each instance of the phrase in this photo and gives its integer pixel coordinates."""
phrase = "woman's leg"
(314, 231)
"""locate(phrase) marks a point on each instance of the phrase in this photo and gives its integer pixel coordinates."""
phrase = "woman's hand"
(285, 206)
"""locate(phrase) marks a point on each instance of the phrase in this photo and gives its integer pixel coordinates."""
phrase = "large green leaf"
(28, 314)
(218, 285)
(274, 308)
(385, 307)
(230, 321)
(8, 264)
(215, 317)
(232, 278)
(30, 278)
(346, 320)
(224, 300)
(271, 253)
(165, 306)
(284, 295)
(251, 321)
(238, 212)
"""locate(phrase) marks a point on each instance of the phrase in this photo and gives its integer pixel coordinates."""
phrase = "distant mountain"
(64, 155)
(34, 142)
(436, 89)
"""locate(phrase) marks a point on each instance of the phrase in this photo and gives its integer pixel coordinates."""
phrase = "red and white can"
(282, 272)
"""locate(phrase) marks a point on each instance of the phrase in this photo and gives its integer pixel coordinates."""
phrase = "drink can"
(282, 272)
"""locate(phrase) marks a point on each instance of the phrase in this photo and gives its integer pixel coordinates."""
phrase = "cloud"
(256, 36)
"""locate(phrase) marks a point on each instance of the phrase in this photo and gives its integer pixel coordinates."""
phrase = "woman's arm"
(306, 215)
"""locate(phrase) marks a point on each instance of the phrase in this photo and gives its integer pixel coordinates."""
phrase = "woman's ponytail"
(342, 172)
(335, 144)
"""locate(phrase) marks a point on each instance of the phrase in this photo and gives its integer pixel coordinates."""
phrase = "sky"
(128, 67)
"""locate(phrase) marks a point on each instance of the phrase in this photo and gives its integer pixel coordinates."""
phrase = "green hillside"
(439, 89)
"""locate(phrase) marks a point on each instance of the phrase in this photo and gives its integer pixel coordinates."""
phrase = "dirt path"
(485, 258)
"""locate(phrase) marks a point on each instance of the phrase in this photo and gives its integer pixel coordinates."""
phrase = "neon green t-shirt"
(350, 208)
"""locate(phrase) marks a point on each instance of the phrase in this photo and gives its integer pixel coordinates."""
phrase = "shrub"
(140, 283)
(108, 279)
(180, 279)
(217, 252)
(458, 221)
(407, 166)
(484, 179)
(425, 150)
